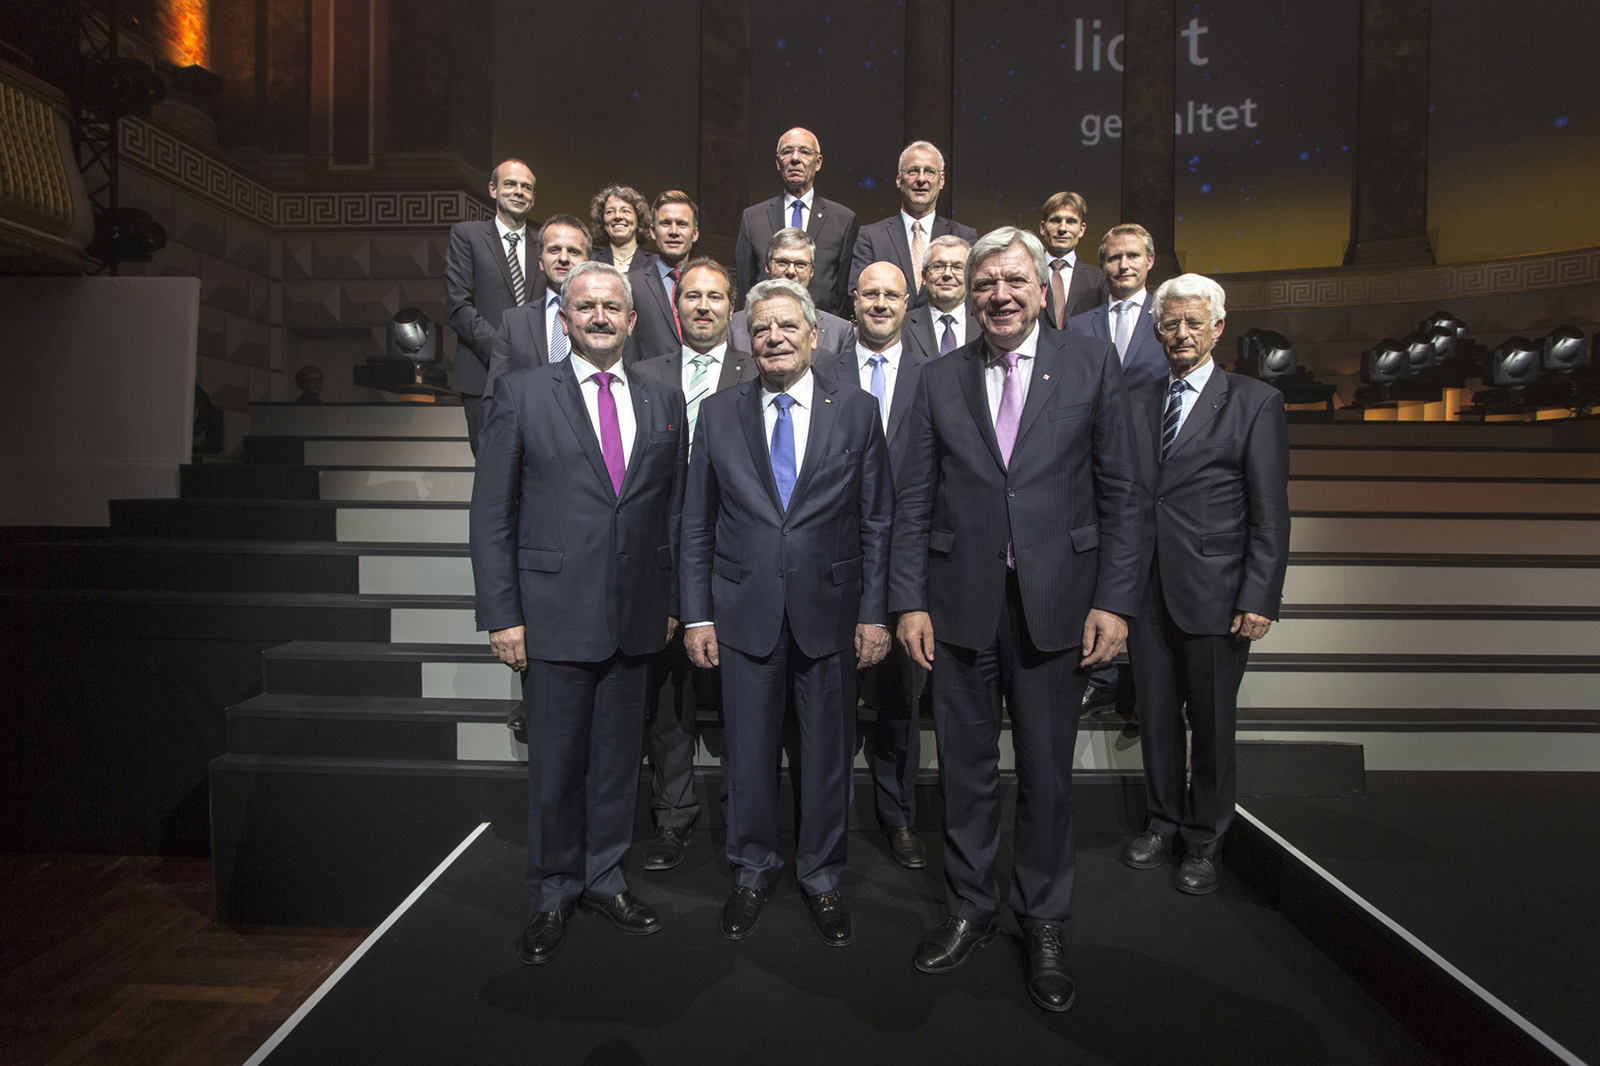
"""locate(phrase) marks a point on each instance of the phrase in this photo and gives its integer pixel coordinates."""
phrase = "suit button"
(786, 532)
(619, 508)
(1011, 492)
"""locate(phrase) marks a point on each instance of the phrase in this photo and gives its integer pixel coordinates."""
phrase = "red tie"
(677, 325)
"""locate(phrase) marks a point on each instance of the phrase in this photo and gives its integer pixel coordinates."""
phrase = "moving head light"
(1564, 348)
(1386, 362)
(1516, 362)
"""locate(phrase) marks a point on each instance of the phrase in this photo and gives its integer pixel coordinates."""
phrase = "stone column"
(930, 81)
(724, 190)
(1389, 203)
(1149, 99)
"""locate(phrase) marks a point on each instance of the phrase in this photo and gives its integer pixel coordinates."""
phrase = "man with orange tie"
(903, 238)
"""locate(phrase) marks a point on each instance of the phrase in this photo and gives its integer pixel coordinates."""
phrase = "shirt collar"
(958, 313)
(926, 220)
(1197, 377)
(552, 296)
(717, 354)
(800, 390)
(1071, 258)
(1137, 299)
(891, 353)
(788, 203)
(1027, 349)
(588, 370)
(521, 231)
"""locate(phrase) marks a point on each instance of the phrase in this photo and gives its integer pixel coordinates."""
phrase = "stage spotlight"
(121, 87)
(412, 337)
(1444, 343)
(1247, 349)
(1419, 352)
(1516, 362)
(1564, 348)
(1444, 320)
(1266, 355)
(126, 235)
(1386, 362)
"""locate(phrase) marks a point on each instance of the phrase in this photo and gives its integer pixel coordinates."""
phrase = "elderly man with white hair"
(1213, 457)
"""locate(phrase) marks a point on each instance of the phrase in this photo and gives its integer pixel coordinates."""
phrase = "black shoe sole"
(1051, 1006)
(1206, 891)
(1153, 864)
(909, 864)
(981, 942)
(632, 930)
(656, 865)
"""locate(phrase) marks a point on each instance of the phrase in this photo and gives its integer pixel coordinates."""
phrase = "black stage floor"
(1162, 978)
(1499, 873)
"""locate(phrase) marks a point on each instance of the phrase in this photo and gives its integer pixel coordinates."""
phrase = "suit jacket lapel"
(1153, 411)
(734, 364)
(643, 429)
(775, 217)
(977, 396)
(922, 322)
(751, 420)
(1048, 366)
(824, 413)
(536, 324)
(905, 388)
(1206, 405)
(902, 250)
(569, 397)
(1100, 319)
(814, 218)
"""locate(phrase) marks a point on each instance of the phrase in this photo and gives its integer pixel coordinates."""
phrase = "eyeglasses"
(803, 152)
(872, 296)
(785, 264)
(1168, 327)
(934, 270)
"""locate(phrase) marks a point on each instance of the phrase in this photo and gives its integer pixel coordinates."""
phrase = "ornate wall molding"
(1351, 287)
(187, 167)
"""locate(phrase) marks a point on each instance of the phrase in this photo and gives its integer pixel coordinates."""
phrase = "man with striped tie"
(705, 364)
(531, 335)
(945, 322)
(1212, 451)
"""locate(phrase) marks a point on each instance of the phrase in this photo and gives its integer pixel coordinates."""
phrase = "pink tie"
(610, 432)
(1006, 423)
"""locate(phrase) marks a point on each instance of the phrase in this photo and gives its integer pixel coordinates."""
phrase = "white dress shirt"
(1196, 381)
(994, 372)
(891, 365)
(522, 248)
(805, 210)
(620, 386)
(800, 415)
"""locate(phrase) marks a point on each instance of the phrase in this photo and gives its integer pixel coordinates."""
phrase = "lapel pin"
(1047, 377)
(827, 401)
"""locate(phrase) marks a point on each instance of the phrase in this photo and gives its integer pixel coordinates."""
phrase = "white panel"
(415, 575)
(1447, 536)
(1564, 752)
(1306, 462)
(1432, 636)
(422, 486)
(426, 625)
(488, 742)
(403, 526)
(1444, 496)
(1419, 689)
(357, 420)
(371, 453)
(1533, 586)
(470, 681)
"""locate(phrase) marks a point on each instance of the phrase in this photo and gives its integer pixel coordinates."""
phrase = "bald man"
(831, 226)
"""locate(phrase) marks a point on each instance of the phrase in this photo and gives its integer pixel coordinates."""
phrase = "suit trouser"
(1042, 692)
(678, 689)
(472, 406)
(584, 724)
(753, 699)
(896, 737)
(1189, 793)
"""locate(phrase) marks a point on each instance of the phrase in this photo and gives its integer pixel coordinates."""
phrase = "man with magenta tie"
(575, 509)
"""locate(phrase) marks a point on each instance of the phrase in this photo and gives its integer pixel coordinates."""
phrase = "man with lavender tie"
(574, 531)
(1017, 542)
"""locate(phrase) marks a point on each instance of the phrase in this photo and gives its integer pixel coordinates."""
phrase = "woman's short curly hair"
(627, 194)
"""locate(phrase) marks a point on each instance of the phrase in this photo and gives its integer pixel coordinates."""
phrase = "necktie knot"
(604, 379)
(1011, 359)
(1179, 386)
(512, 239)
(784, 401)
(877, 359)
(1057, 264)
(674, 274)
(947, 320)
(701, 361)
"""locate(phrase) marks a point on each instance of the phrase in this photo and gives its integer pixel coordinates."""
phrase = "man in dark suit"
(1126, 255)
(532, 334)
(704, 365)
(581, 595)
(831, 226)
(945, 322)
(1213, 456)
(1016, 548)
(888, 369)
(903, 238)
(1074, 286)
(485, 274)
(791, 254)
(785, 563)
(675, 223)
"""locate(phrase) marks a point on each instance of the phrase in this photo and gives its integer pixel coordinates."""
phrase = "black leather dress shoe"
(831, 917)
(1197, 875)
(949, 945)
(666, 850)
(907, 848)
(542, 937)
(1048, 983)
(742, 911)
(1095, 699)
(627, 912)
(1147, 850)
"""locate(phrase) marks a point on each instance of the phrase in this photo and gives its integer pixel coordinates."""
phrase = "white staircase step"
(1440, 689)
(357, 420)
(1486, 636)
(392, 453)
(434, 625)
(1448, 536)
(1460, 497)
(1442, 585)
(402, 525)
(422, 486)
(415, 575)
(1341, 462)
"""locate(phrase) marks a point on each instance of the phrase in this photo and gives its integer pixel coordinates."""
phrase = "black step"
(181, 566)
(247, 481)
(226, 519)
(278, 451)
(355, 727)
(359, 669)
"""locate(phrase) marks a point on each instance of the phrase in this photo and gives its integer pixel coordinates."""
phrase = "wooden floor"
(107, 959)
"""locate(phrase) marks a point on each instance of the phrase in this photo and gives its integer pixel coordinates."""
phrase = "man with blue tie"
(785, 566)
(945, 322)
(532, 335)
(1213, 456)
(706, 364)
(574, 533)
(1127, 252)
(888, 369)
(831, 226)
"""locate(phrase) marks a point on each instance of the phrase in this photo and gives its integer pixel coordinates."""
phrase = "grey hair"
(999, 240)
(927, 146)
(789, 237)
(949, 240)
(774, 288)
(1192, 287)
(589, 266)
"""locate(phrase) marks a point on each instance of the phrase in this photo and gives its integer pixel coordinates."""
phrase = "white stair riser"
(1430, 636)
(388, 453)
(1532, 586)
(1444, 497)
(337, 420)
(415, 575)
(411, 486)
(1422, 690)
(413, 625)
(1341, 462)
(442, 525)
